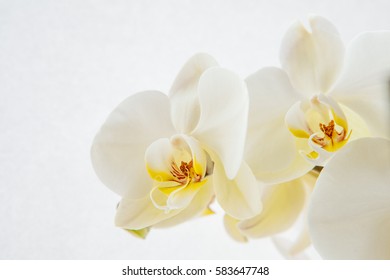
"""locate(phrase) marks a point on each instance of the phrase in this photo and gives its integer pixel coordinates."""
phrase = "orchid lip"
(177, 167)
(321, 121)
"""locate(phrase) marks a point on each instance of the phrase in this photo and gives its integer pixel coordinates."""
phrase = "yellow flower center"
(178, 168)
(322, 121)
(185, 173)
(331, 140)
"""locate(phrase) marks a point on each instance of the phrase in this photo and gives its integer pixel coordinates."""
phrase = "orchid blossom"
(301, 117)
(168, 157)
(323, 98)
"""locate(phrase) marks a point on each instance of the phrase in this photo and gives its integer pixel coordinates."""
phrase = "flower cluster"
(310, 139)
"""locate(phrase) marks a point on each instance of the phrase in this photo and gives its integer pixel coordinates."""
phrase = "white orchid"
(300, 116)
(167, 157)
(349, 211)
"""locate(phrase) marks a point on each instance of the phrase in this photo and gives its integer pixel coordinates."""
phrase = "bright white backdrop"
(64, 65)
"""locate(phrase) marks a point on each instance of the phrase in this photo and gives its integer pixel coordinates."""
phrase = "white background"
(64, 65)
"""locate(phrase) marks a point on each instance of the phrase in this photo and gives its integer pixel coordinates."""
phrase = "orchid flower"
(324, 97)
(167, 157)
(349, 211)
(301, 117)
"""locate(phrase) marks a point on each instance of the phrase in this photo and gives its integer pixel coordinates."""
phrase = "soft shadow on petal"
(271, 150)
(230, 224)
(364, 86)
(136, 214)
(294, 247)
(240, 197)
(349, 212)
(141, 213)
(182, 198)
(312, 58)
(271, 93)
(197, 206)
(282, 205)
(119, 147)
(222, 126)
(184, 92)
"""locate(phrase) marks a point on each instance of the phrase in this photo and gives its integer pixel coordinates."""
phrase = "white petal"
(282, 204)
(356, 124)
(277, 156)
(349, 212)
(312, 58)
(184, 92)
(135, 214)
(365, 82)
(119, 147)
(240, 197)
(197, 206)
(271, 91)
(271, 151)
(223, 121)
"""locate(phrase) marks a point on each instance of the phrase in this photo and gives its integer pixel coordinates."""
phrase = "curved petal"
(183, 197)
(293, 248)
(197, 206)
(282, 205)
(349, 212)
(312, 58)
(119, 147)
(222, 126)
(184, 92)
(357, 125)
(161, 193)
(318, 156)
(271, 151)
(231, 227)
(136, 214)
(240, 197)
(365, 82)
